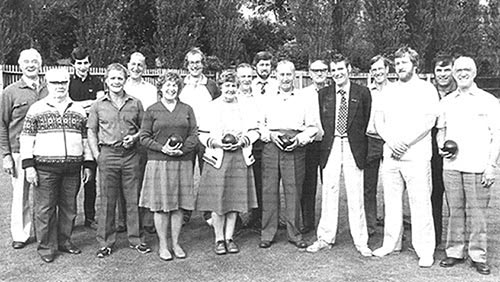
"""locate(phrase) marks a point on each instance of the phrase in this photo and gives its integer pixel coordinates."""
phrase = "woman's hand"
(172, 151)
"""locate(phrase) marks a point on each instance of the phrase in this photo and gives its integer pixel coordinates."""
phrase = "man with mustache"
(408, 112)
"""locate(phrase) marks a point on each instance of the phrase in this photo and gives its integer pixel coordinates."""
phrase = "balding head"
(464, 72)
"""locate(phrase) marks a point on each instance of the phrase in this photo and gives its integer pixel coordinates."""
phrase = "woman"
(226, 186)
(169, 132)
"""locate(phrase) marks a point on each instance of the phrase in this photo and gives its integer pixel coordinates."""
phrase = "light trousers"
(340, 161)
(20, 216)
(415, 176)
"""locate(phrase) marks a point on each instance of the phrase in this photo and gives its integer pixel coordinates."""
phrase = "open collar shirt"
(144, 91)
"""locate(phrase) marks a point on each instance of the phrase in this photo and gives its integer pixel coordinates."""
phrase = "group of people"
(142, 142)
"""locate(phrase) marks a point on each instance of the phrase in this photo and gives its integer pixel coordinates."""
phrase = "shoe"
(168, 258)
(449, 262)
(142, 248)
(18, 245)
(265, 244)
(481, 267)
(210, 222)
(70, 249)
(281, 225)
(301, 244)
(48, 258)
(179, 252)
(92, 224)
(220, 247)
(121, 228)
(365, 251)
(380, 221)
(150, 229)
(231, 246)
(381, 252)
(306, 229)
(318, 246)
(103, 252)
(426, 262)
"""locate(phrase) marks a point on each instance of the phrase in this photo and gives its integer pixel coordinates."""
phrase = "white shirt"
(143, 91)
(311, 94)
(376, 94)
(406, 107)
(271, 85)
(196, 94)
(471, 120)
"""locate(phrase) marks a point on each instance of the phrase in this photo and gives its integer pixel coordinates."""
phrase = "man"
(198, 90)
(84, 89)
(53, 149)
(289, 124)
(145, 92)
(469, 116)
(345, 112)
(114, 123)
(14, 104)
(445, 84)
(379, 70)
(404, 121)
(261, 86)
(318, 70)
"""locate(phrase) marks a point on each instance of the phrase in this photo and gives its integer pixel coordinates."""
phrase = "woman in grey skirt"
(169, 132)
(228, 130)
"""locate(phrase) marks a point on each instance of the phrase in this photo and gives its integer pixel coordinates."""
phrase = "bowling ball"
(174, 140)
(450, 146)
(229, 139)
(286, 140)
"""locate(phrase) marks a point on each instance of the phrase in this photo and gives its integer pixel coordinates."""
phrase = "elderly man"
(345, 111)
(379, 70)
(318, 70)
(404, 121)
(289, 124)
(145, 92)
(114, 123)
(84, 89)
(469, 116)
(53, 149)
(14, 104)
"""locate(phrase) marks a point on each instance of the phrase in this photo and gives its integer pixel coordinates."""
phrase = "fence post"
(1, 78)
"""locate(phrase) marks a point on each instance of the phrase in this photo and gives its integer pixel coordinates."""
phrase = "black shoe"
(142, 248)
(301, 244)
(48, 258)
(220, 247)
(70, 249)
(380, 221)
(92, 224)
(18, 245)
(150, 229)
(481, 267)
(231, 247)
(449, 262)
(265, 244)
(306, 229)
(103, 252)
(121, 228)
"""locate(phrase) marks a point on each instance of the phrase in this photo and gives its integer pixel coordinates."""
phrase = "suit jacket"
(359, 107)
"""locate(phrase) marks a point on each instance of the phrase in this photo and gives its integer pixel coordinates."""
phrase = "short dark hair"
(379, 57)
(337, 58)
(414, 57)
(262, 56)
(169, 76)
(194, 51)
(442, 60)
(79, 53)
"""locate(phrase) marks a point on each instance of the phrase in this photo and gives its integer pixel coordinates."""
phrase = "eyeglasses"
(319, 70)
(194, 62)
(58, 82)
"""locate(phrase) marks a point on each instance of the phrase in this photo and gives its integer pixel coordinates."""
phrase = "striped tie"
(342, 114)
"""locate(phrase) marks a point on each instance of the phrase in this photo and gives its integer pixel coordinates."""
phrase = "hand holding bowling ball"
(174, 140)
(286, 140)
(229, 139)
(450, 147)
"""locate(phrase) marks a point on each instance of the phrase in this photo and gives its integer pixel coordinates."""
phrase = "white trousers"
(340, 161)
(415, 176)
(20, 217)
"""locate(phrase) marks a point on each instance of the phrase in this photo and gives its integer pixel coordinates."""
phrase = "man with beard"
(444, 84)
(404, 121)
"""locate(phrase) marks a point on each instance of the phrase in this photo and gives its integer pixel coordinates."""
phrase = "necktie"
(342, 114)
(263, 87)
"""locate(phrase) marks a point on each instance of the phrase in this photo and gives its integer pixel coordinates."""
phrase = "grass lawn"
(282, 262)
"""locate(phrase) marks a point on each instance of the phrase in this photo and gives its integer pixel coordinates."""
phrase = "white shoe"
(426, 262)
(318, 246)
(210, 222)
(381, 252)
(365, 251)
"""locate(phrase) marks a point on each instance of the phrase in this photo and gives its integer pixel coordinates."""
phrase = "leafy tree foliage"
(15, 25)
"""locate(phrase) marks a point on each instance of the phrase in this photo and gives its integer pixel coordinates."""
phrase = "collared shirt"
(338, 98)
(406, 108)
(261, 86)
(376, 97)
(31, 83)
(112, 124)
(471, 120)
(144, 91)
(14, 104)
(82, 90)
(195, 93)
(311, 95)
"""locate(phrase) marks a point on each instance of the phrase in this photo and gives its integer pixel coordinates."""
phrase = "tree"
(15, 23)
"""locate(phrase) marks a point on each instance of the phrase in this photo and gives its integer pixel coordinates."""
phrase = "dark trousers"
(308, 199)
(290, 168)
(119, 172)
(370, 178)
(256, 214)
(55, 208)
(89, 190)
(437, 196)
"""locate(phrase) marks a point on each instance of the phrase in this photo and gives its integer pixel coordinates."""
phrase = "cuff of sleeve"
(28, 163)
(89, 164)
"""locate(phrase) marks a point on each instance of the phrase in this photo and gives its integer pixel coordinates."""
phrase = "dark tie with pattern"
(342, 114)
(263, 87)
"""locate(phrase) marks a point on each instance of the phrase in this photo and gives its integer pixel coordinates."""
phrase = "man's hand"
(488, 177)
(31, 175)
(8, 165)
(276, 140)
(129, 141)
(87, 174)
(292, 146)
(446, 155)
(172, 151)
(398, 149)
(303, 139)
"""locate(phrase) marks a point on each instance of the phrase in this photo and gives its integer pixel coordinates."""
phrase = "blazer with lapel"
(359, 106)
